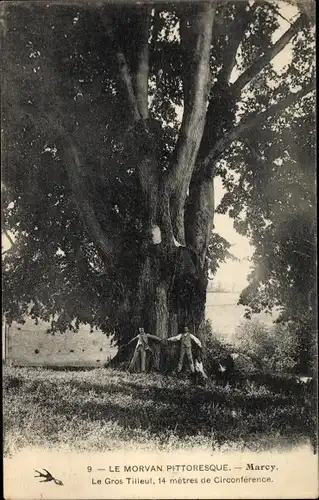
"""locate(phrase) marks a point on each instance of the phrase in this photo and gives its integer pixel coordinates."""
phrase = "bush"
(305, 333)
(212, 341)
(276, 347)
(215, 353)
(285, 356)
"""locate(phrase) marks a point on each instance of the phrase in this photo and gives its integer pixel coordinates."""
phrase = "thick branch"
(124, 72)
(6, 233)
(236, 32)
(264, 60)
(248, 75)
(142, 63)
(199, 216)
(74, 168)
(196, 99)
(198, 42)
(136, 89)
(253, 121)
(308, 7)
(220, 91)
(156, 28)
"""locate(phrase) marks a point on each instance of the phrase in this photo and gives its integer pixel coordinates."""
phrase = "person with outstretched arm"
(186, 339)
(141, 347)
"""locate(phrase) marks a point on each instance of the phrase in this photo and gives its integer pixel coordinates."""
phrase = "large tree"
(117, 118)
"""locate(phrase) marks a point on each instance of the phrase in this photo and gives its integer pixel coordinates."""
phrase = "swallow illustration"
(48, 477)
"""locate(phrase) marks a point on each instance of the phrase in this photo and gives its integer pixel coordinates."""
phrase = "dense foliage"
(275, 347)
(279, 215)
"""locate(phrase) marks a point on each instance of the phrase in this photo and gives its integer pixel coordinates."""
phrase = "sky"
(231, 274)
(234, 274)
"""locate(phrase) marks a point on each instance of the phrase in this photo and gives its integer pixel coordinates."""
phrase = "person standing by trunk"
(142, 346)
(186, 339)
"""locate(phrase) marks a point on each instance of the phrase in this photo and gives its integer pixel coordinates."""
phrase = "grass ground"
(99, 410)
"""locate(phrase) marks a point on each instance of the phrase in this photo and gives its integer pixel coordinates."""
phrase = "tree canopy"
(109, 107)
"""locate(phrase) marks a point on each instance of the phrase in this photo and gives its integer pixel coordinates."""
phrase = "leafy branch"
(253, 121)
(259, 64)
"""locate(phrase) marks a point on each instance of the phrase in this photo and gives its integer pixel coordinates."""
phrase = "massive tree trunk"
(172, 270)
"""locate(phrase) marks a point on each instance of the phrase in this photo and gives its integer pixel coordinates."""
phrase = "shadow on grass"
(227, 412)
(228, 395)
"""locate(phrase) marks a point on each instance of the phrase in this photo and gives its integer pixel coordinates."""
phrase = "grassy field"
(99, 410)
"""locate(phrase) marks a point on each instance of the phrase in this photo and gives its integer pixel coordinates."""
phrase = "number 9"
(89, 468)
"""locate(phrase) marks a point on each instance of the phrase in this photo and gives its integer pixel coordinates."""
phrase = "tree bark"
(200, 216)
(153, 307)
